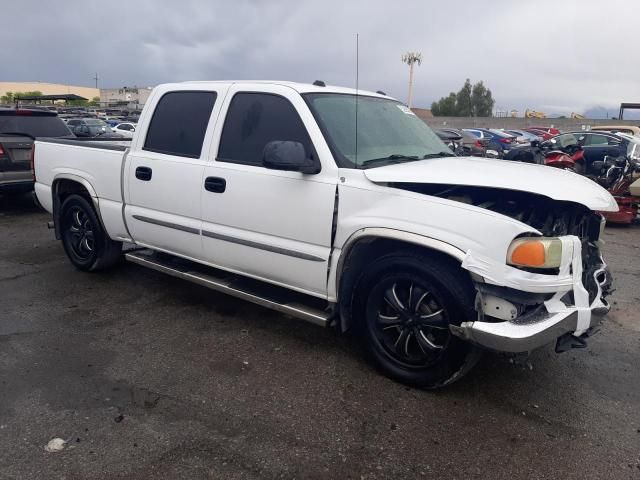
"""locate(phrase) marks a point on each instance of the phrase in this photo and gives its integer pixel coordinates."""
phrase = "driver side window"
(254, 120)
(596, 139)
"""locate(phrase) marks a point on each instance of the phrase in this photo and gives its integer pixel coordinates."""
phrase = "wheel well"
(362, 253)
(63, 188)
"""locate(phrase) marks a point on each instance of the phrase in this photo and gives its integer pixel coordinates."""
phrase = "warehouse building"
(48, 89)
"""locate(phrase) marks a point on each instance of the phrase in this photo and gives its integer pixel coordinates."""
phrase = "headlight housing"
(535, 252)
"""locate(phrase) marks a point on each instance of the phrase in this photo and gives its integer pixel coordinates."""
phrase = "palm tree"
(411, 58)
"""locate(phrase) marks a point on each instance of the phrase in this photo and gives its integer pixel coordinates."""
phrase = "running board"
(298, 305)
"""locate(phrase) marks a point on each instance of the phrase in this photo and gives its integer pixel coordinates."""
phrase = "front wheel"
(85, 242)
(405, 305)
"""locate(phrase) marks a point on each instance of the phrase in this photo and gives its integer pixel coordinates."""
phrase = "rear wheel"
(405, 305)
(86, 244)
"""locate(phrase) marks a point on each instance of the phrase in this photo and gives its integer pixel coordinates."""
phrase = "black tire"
(414, 345)
(85, 242)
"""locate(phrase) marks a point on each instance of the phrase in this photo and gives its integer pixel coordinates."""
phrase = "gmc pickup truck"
(342, 208)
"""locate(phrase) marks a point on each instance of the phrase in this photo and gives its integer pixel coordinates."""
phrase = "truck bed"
(97, 164)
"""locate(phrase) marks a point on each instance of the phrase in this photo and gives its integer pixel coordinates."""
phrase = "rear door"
(269, 224)
(163, 174)
(596, 146)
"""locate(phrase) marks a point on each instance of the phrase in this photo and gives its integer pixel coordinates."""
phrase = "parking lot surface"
(150, 377)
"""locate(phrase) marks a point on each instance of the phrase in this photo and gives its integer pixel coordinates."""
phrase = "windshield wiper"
(394, 158)
(438, 155)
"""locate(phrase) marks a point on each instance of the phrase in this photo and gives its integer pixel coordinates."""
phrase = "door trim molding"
(162, 223)
(227, 238)
(262, 246)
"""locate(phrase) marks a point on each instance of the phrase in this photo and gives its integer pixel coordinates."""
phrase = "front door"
(269, 224)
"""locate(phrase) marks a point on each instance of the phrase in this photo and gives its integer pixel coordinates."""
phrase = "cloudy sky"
(557, 56)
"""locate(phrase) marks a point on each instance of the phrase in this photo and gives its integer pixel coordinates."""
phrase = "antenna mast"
(357, 85)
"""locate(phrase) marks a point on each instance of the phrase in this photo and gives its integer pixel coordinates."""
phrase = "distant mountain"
(611, 112)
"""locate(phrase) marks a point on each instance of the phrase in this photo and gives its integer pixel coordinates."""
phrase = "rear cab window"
(35, 125)
(179, 123)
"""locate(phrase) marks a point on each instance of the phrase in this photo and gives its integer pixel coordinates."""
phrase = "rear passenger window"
(179, 123)
(255, 119)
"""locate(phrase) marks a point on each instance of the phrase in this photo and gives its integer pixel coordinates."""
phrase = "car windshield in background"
(388, 132)
(36, 125)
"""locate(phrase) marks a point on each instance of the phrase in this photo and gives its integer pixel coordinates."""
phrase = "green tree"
(35, 93)
(464, 108)
(7, 98)
(481, 100)
(445, 107)
(472, 100)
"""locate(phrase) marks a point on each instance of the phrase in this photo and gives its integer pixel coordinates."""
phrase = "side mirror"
(289, 156)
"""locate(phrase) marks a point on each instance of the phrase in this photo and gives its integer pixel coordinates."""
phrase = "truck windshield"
(388, 132)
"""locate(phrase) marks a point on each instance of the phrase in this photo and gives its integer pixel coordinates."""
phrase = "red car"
(545, 132)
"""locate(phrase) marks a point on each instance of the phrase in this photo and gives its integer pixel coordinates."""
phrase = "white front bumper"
(553, 319)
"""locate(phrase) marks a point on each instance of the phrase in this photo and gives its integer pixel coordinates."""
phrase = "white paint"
(509, 175)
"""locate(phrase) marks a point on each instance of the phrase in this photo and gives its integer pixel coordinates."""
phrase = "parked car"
(18, 129)
(91, 127)
(451, 140)
(471, 145)
(499, 142)
(426, 256)
(628, 129)
(549, 130)
(587, 147)
(125, 129)
(524, 136)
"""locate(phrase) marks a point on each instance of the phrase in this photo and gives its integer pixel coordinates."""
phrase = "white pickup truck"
(341, 208)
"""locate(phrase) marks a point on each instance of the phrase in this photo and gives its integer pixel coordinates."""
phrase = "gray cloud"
(548, 55)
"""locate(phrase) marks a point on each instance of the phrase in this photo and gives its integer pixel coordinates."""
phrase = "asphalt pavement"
(149, 377)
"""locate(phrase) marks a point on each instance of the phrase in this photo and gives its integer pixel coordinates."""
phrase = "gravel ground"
(150, 377)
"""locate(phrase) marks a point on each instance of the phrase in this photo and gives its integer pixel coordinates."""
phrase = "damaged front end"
(522, 308)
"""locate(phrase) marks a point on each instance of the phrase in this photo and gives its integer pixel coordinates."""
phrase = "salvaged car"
(274, 193)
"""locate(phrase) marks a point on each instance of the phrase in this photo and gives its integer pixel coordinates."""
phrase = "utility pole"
(411, 58)
(96, 79)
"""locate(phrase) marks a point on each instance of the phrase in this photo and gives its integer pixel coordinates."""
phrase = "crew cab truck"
(273, 192)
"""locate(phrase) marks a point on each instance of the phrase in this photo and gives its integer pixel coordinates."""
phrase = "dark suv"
(18, 129)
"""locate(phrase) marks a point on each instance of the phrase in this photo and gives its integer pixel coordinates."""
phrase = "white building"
(129, 97)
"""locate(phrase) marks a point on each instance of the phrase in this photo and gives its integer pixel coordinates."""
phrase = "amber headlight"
(535, 252)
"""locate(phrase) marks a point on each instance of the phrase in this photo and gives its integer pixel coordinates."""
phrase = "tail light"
(479, 144)
(32, 161)
(1, 150)
(505, 140)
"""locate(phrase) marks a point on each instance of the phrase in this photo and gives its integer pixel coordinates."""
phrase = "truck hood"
(503, 174)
